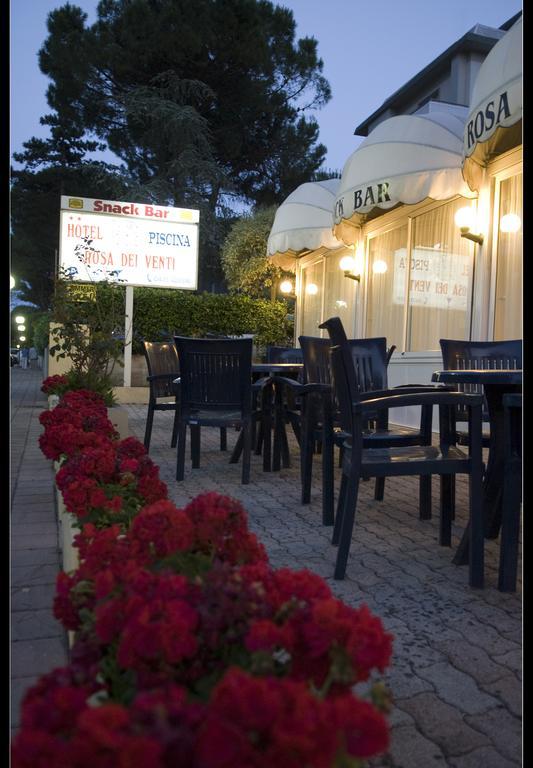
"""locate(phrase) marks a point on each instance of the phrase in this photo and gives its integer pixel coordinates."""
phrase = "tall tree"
(206, 103)
(206, 96)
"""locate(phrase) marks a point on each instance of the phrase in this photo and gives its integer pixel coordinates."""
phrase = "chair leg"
(246, 453)
(175, 428)
(180, 460)
(328, 516)
(379, 490)
(477, 537)
(510, 530)
(348, 519)
(340, 511)
(148, 429)
(235, 454)
(446, 505)
(223, 439)
(306, 461)
(195, 446)
(259, 439)
(425, 497)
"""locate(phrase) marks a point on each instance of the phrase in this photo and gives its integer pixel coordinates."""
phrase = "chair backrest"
(161, 358)
(283, 354)
(464, 355)
(317, 364)
(215, 374)
(275, 354)
(335, 330)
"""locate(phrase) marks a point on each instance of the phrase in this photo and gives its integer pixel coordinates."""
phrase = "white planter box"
(71, 558)
(118, 416)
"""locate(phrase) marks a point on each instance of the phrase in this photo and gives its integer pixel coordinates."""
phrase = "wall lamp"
(348, 266)
(286, 287)
(465, 220)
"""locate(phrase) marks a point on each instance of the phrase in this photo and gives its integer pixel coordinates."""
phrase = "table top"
(479, 376)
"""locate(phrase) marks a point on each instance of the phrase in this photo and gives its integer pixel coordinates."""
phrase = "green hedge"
(159, 313)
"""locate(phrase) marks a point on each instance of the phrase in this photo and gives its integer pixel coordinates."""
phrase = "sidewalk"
(457, 660)
(38, 641)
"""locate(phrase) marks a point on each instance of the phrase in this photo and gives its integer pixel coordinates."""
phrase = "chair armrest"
(302, 390)
(413, 388)
(438, 387)
(424, 398)
(163, 377)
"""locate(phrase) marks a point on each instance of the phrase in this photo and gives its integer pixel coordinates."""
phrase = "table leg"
(493, 478)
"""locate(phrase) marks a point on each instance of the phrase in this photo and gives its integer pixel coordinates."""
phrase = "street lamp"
(20, 319)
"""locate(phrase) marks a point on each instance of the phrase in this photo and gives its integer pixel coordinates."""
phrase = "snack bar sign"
(129, 243)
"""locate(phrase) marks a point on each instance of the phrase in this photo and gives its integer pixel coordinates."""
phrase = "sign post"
(133, 244)
(128, 337)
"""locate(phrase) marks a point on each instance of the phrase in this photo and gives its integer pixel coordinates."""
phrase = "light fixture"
(286, 287)
(348, 266)
(21, 327)
(22, 338)
(379, 267)
(465, 220)
(312, 289)
(510, 223)
(20, 319)
(11, 282)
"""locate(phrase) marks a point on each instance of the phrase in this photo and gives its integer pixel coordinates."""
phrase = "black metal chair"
(216, 391)
(465, 355)
(445, 460)
(512, 492)
(163, 368)
(370, 359)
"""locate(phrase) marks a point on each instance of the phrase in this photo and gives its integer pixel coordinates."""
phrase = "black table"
(278, 454)
(271, 402)
(495, 383)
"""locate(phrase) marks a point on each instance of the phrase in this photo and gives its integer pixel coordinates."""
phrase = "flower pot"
(71, 558)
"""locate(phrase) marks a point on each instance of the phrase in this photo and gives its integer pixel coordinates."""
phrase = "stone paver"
(456, 668)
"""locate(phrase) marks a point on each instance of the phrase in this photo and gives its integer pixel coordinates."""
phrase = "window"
(311, 293)
(508, 228)
(325, 292)
(420, 281)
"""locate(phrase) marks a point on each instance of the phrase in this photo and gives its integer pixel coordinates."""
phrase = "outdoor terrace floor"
(457, 659)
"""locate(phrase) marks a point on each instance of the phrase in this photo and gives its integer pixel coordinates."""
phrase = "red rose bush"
(189, 648)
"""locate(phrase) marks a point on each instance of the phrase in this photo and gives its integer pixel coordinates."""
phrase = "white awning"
(303, 222)
(494, 123)
(405, 159)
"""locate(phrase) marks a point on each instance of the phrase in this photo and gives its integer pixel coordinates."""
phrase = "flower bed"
(189, 648)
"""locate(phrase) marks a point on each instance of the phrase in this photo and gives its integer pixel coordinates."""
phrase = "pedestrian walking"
(24, 357)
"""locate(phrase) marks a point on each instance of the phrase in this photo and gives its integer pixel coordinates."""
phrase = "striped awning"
(303, 223)
(494, 123)
(404, 160)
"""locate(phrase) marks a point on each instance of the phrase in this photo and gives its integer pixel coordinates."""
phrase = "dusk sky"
(369, 49)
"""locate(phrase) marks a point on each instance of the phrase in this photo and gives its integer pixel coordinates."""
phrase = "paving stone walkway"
(38, 642)
(457, 662)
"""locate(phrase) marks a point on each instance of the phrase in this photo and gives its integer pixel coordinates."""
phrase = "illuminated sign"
(129, 243)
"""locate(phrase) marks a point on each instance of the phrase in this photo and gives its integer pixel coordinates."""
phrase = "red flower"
(161, 529)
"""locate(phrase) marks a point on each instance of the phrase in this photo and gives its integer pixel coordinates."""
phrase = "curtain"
(339, 299)
(441, 279)
(387, 264)
(508, 309)
(312, 295)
